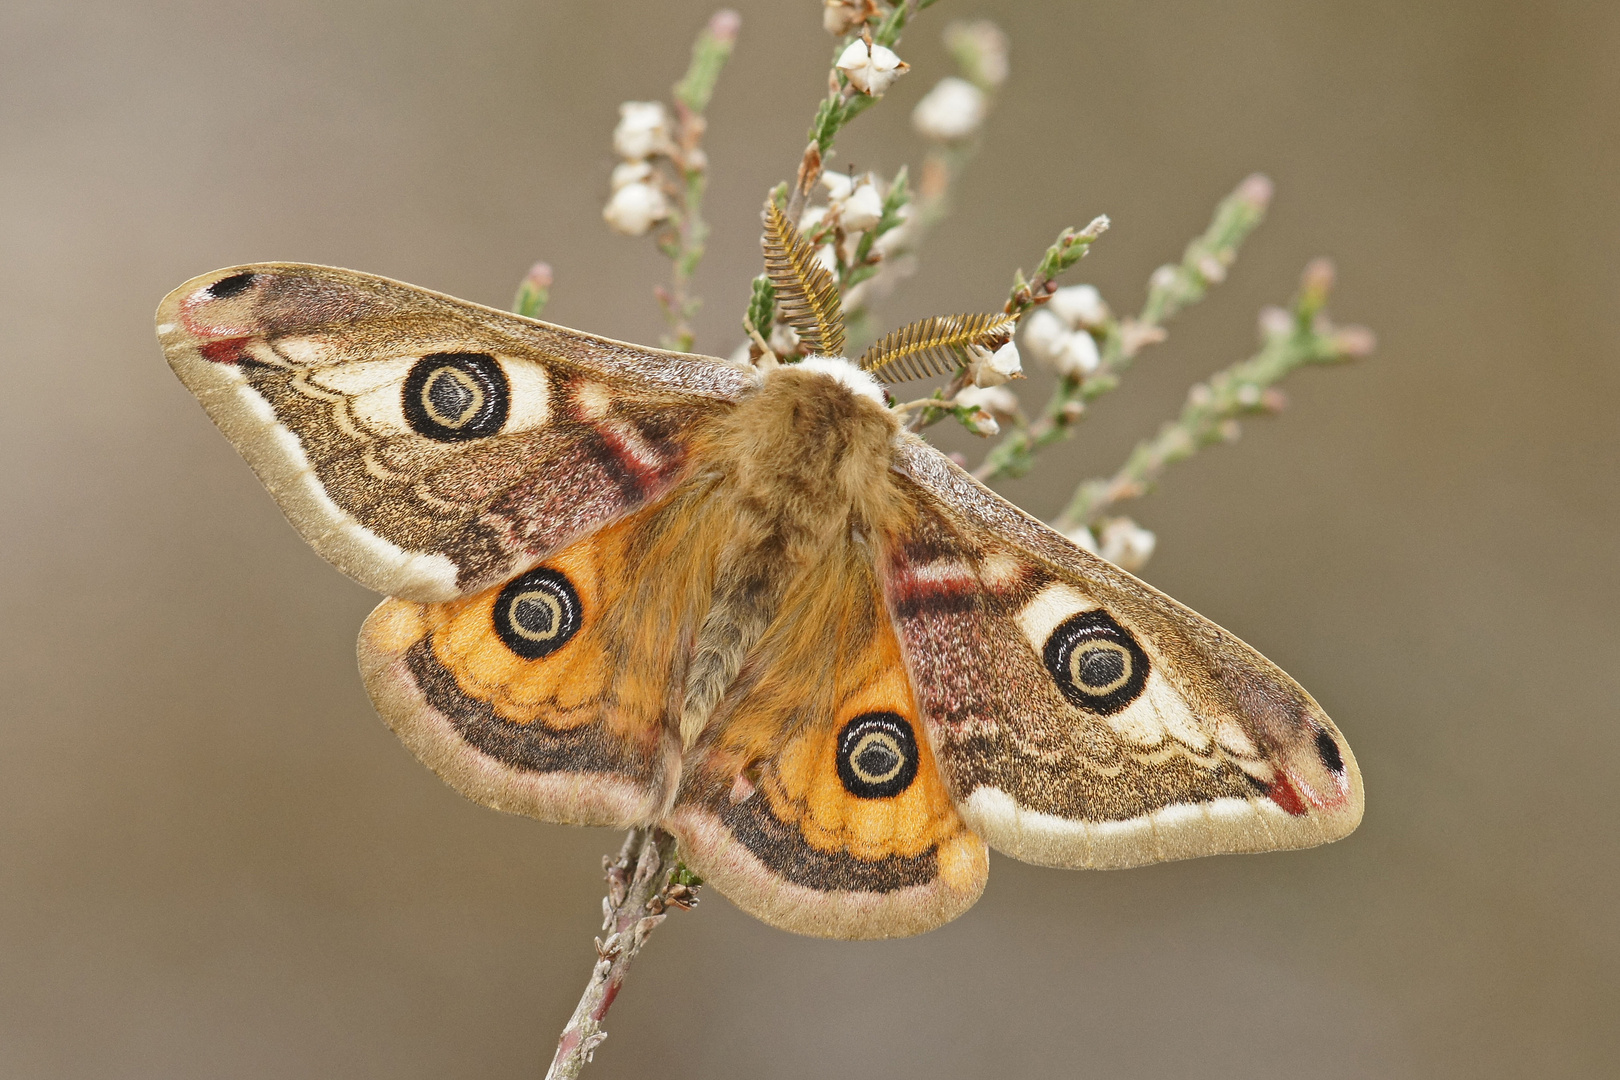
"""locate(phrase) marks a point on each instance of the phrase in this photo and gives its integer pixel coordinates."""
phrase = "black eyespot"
(537, 614)
(1328, 751)
(877, 755)
(1096, 664)
(227, 287)
(453, 397)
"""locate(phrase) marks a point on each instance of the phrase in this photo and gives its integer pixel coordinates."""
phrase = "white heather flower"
(1275, 322)
(994, 368)
(742, 355)
(784, 339)
(851, 244)
(1045, 333)
(864, 207)
(838, 186)
(871, 70)
(643, 129)
(982, 48)
(1126, 544)
(1067, 352)
(981, 423)
(1082, 538)
(635, 208)
(998, 401)
(839, 17)
(812, 217)
(897, 237)
(952, 110)
(1078, 356)
(827, 256)
(1079, 306)
(631, 172)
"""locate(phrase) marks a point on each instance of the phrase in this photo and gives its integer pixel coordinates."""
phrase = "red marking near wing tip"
(1286, 795)
(1337, 797)
(223, 351)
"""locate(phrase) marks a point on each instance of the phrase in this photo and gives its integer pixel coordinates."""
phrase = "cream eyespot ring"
(453, 397)
(538, 613)
(1095, 662)
(1100, 667)
(877, 755)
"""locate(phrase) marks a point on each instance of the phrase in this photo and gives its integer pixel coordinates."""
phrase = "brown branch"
(644, 882)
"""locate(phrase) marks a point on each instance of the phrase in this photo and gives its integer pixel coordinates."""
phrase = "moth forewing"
(428, 447)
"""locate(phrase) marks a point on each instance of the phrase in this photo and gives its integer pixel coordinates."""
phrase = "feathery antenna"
(806, 294)
(935, 345)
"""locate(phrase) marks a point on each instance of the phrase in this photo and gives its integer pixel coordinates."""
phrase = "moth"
(628, 586)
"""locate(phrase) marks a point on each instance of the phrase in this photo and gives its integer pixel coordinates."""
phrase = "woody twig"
(645, 882)
(1290, 338)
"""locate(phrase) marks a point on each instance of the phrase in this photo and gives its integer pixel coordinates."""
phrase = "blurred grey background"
(215, 861)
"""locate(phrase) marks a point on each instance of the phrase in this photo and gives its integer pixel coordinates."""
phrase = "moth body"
(792, 473)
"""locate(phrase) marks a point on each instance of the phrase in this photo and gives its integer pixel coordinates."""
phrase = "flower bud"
(871, 70)
(784, 340)
(981, 48)
(896, 238)
(643, 129)
(864, 207)
(1045, 334)
(994, 368)
(1079, 305)
(1126, 544)
(1081, 537)
(1354, 341)
(540, 276)
(981, 423)
(635, 208)
(631, 172)
(952, 110)
(1256, 190)
(1079, 356)
(839, 17)
(838, 186)
(998, 401)
(725, 25)
(534, 291)
(1276, 322)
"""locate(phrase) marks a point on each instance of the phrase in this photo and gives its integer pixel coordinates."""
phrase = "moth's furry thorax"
(793, 471)
(811, 450)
